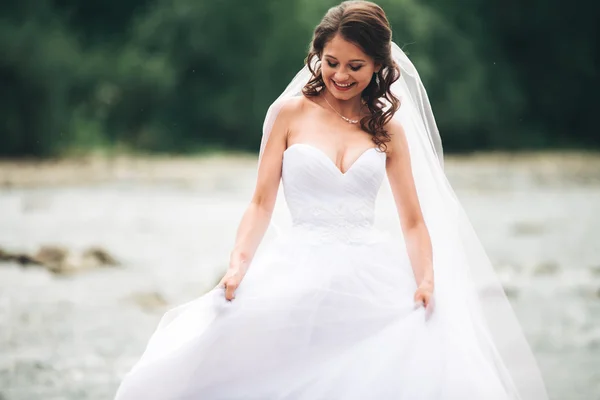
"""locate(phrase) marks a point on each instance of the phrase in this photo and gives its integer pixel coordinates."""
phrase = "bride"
(339, 305)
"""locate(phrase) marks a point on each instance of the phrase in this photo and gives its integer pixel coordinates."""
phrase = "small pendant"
(350, 121)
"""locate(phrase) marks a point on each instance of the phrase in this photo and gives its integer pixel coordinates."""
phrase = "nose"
(341, 77)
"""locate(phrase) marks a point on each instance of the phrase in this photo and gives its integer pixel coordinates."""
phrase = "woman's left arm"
(416, 235)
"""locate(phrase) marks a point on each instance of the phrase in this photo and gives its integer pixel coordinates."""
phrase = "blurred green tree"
(186, 76)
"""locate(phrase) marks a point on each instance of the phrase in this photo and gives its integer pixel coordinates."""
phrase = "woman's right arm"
(257, 217)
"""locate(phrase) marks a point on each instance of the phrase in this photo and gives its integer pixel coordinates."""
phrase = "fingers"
(427, 299)
(418, 298)
(230, 288)
(420, 295)
(229, 285)
(423, 297)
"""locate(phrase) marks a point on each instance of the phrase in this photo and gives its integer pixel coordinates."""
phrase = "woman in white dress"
(336, 307)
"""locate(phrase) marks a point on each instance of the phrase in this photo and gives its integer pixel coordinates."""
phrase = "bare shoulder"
(287, 109)
(398, 141)
(293, 111)
(291, 107)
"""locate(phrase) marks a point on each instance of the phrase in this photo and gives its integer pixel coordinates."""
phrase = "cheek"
(364, 78)
(326, 72)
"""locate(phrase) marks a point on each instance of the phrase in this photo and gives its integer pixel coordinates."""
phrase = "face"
(346, 69)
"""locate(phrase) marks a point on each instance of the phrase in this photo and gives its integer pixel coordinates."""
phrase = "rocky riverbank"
(115, 242)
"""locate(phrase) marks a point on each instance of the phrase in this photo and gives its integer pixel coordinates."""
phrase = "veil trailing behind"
(465, 280)
(326, 311)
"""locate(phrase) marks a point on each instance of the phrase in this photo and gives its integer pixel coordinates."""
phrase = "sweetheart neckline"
(331, 162)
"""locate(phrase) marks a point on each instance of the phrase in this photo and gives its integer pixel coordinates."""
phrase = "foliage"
(183, 75)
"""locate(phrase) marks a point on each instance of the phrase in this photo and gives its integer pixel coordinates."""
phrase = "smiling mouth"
(345, 86)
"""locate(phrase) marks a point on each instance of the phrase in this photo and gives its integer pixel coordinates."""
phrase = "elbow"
(263, 203)
(415, 224)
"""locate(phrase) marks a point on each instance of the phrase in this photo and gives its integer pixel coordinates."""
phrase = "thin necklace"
(348, 120)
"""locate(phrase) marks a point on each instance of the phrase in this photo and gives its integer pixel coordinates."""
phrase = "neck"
(348, 108)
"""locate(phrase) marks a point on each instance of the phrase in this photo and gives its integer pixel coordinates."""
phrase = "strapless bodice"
(318, 194)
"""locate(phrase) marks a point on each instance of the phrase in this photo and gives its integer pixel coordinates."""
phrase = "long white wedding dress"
(326, 313)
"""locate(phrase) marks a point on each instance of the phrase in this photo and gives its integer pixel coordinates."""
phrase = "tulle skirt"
(317, 319)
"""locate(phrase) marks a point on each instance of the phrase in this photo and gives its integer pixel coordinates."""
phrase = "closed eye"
(333, 65)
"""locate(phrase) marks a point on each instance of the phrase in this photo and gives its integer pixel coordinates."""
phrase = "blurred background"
(128, 139)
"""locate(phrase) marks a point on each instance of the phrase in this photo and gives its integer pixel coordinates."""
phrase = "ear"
(377, 68)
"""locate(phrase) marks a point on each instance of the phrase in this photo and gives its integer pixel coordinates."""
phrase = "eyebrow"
(355, 60)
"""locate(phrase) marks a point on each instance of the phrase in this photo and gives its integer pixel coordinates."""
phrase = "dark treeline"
(189, 75)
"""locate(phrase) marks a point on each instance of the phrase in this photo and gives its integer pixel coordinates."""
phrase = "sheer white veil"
(467, 290)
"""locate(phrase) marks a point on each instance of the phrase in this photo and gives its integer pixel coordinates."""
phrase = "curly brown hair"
(365, 24)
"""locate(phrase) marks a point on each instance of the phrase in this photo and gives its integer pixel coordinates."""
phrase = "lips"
(343, 87)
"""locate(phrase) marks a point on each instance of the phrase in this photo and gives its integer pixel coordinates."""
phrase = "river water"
(171, 224)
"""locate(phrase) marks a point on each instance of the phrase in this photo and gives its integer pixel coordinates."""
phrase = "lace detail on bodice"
(345, 222)
(327, 204)
(340, 216)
